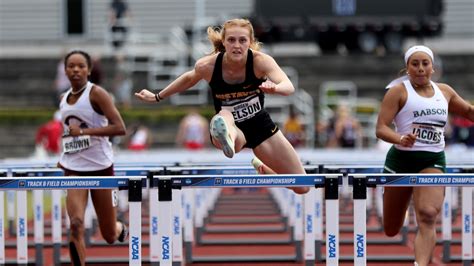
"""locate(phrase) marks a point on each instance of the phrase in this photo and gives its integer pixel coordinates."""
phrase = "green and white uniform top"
(425, 117)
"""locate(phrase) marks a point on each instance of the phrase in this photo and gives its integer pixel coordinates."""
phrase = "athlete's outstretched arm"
(182, 83)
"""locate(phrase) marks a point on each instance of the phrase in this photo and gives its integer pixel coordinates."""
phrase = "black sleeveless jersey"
(244, 100)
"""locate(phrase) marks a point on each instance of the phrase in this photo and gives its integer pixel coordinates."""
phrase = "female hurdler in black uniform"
(239, 76)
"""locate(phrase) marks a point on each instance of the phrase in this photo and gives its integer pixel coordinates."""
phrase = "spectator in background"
(293, 129)
(48, 136)
(193, 131)
(118, 22)
(347, 129)
(122, 84)
(462, 131)
(139, 138)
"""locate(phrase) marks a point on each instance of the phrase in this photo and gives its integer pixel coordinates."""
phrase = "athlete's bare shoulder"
(263, 63)
(398, 88)
(205, 66)
(206, 63)
(447, 90)
(99, 94)
(396, 92)
(444, 87)
(260, 57)
(97, 90)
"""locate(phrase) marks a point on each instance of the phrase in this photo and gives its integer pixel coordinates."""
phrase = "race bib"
(244, 110)
(75, 144)
(427, 133)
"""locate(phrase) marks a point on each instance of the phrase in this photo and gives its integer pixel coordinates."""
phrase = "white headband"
(418, 48)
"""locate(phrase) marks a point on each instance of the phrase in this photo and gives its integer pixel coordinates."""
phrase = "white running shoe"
(258, 165)
(220, 132)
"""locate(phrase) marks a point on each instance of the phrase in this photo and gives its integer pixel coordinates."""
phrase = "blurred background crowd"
(339, 54)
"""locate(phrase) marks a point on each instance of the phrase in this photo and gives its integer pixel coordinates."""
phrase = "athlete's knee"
(110, 239)
(427, 215)
(77, 227)
(391, 230)
(225, 113)
(109, 235)
(301, 190)
(391, 227)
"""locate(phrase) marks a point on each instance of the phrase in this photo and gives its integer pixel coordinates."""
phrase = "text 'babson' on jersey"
(432, 111)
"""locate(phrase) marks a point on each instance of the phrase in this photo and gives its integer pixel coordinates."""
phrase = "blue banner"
(29, 183)
(212, 170)
(421, 180)
(248, 181)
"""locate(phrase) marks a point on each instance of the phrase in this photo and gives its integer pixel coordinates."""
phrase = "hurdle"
(167, 183)
(334, 185)
(450, 207)
(331, 183)
(292, 214)
(464, 180)
(355, 241)
(202, 205)
(21, 184)
(446, 229)
(56, 211)
(58, 172)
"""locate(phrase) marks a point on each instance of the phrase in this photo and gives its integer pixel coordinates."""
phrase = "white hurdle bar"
(22, 184)
(206, 181)
(331, 183)
(464, 180)
(167, 183)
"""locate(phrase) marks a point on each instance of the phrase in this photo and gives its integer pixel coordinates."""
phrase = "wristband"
(81, 132)
(158, 97)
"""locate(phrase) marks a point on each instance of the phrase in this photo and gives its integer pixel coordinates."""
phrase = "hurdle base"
(318, 244)
(39, 254)
(87, 236)
(446, 251)
(188, 251)
(299, 251)
(57, 253)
